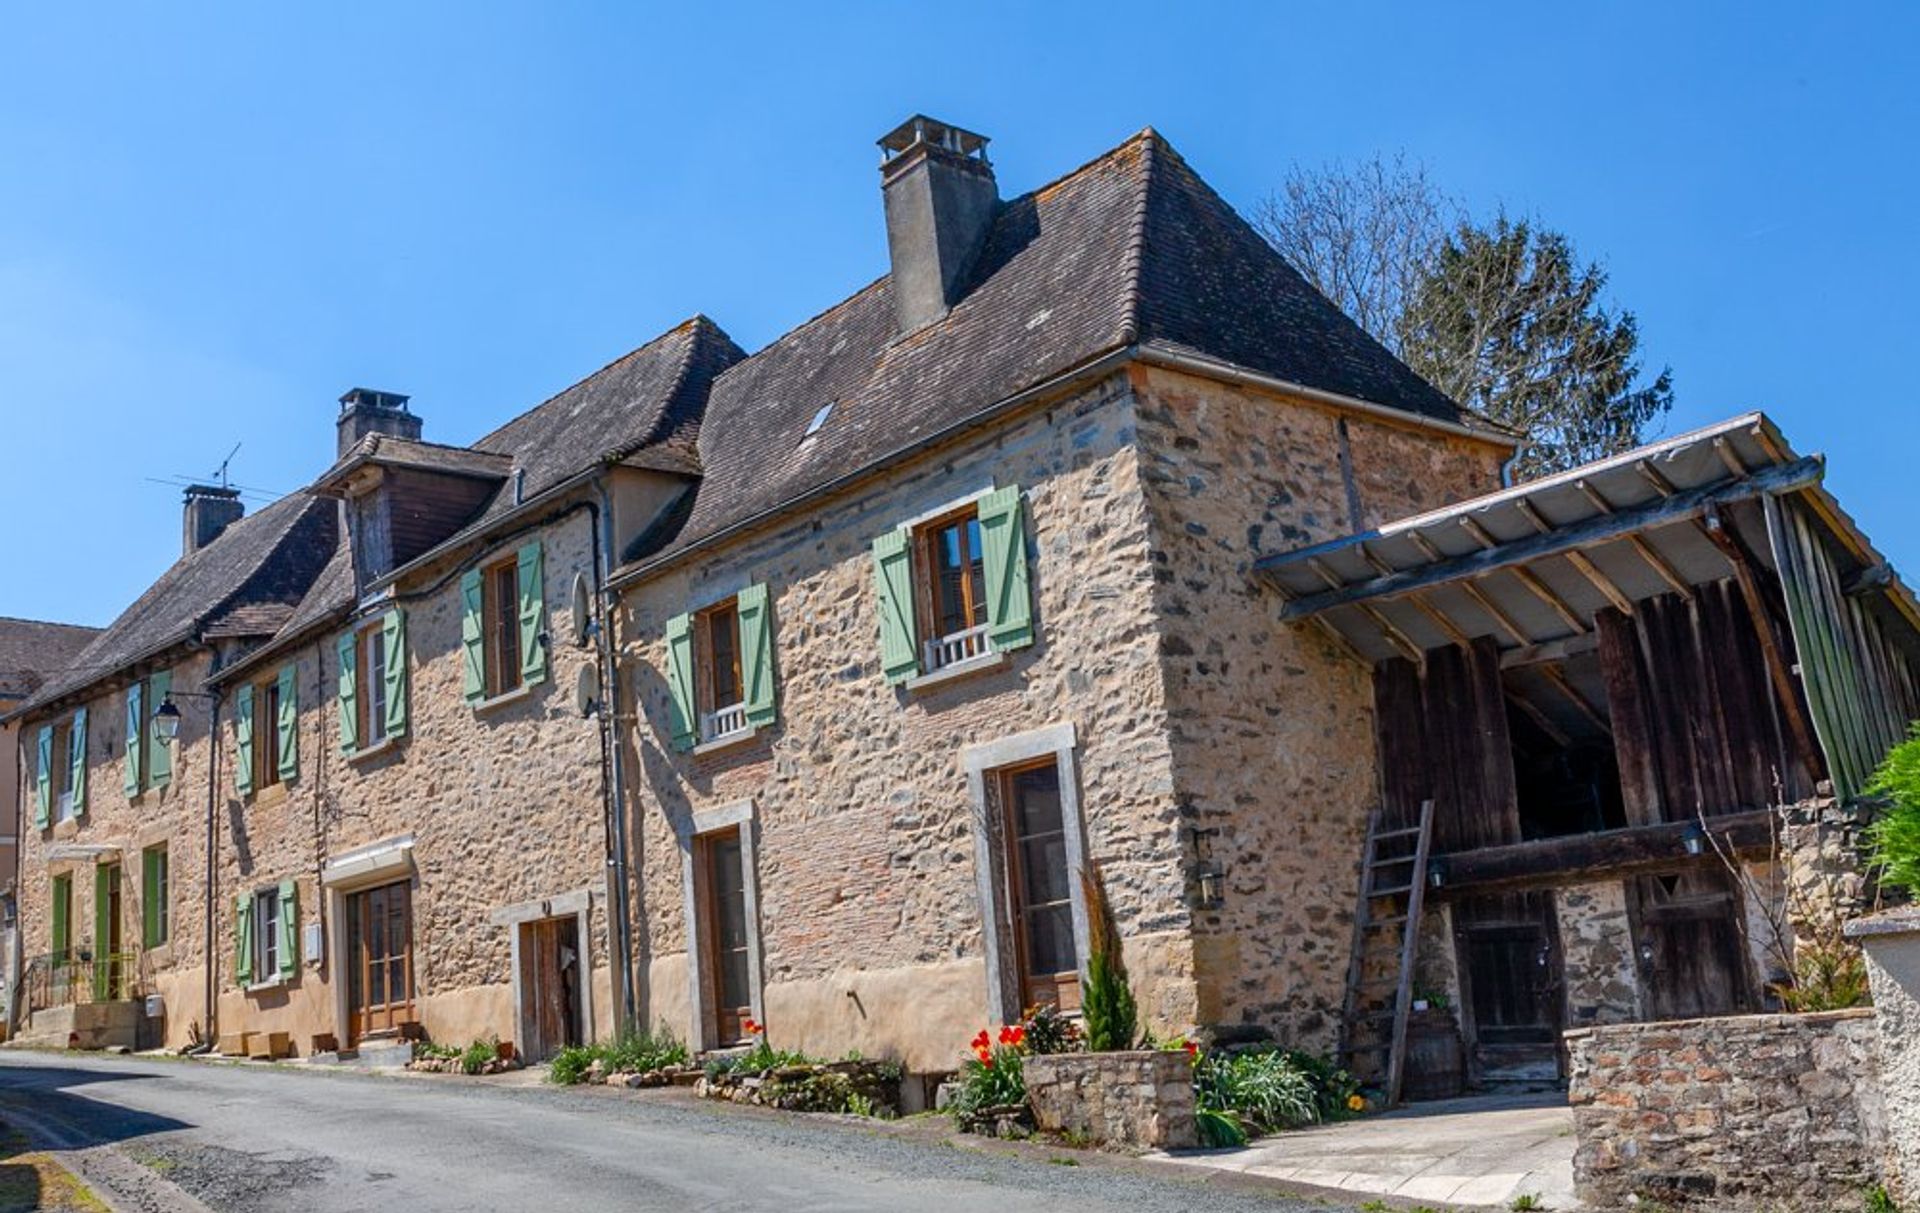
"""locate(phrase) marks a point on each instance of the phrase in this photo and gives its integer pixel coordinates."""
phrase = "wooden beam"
(1540, 718)
(1655, 477)
(1544, 593)
(1552, 650)
(1581, 534)
(1340, 640)
(1593, 496)
(1599, 580)
(1555, 675)
(1440, 619)
(1581, 856)
(1731, 458)
(1533, 516)
(1400, 640)
(1480, 534)
(1426, 546)
(1778, 668)
(1499, 616)
(1659, 565)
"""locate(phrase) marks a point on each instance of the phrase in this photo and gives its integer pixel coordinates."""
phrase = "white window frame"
(266, 935)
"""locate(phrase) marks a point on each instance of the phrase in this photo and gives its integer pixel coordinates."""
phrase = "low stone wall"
(1892, 944)
(1779, 1108)
(1142, 1098)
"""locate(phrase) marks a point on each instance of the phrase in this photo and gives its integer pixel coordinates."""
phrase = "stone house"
(115, 817)
(963, 603)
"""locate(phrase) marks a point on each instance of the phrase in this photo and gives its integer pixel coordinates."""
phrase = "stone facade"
(1596, 948)
(113, 828)
(499, 805)
(1764, 1108)
(1141, 1099)
(1271, 727)
(1148, 498)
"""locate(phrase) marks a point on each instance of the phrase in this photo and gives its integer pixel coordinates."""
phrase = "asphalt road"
(243, 1138)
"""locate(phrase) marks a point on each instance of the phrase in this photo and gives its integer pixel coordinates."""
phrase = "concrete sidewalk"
(1479, 1151)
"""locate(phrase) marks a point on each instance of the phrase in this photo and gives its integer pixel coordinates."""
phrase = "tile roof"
(1132, 248)
(266, 559)
(389, 451)
(32, 650)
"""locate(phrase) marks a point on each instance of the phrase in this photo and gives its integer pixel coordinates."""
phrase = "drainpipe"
(211, 859)
(613, 778)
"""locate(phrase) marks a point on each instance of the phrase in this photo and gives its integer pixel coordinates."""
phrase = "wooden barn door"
(1515, 1004)
(550, 981)
(1692, 952)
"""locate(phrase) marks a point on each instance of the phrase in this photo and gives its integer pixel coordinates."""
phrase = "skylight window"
(819, 419)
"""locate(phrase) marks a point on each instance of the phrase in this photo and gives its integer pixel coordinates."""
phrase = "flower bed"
(480, 1057)
(652, 1058)
(859, 1087)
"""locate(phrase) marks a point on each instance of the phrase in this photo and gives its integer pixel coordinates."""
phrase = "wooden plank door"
(1513, 992)
(550, 982)
(379, 961)
(1692, 952)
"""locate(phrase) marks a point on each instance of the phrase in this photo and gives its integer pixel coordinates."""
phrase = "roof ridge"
(689, 323)
(49, 623)
(1133, 256)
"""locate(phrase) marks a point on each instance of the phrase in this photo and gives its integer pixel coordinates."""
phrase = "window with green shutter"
(287, 736)
(756, 655)
(531, 566)
(1004, 543)
(473, 633)
(954, 590)
(243, 757)
(721, 670)
(347, 697)
(135, 779)
(77, 757)
(156, 892)
(243, 940)
(159, 753)
(288, 945)
(43, 777)
(393, 671)
(681, 722)
(503, 624)
(893, 585)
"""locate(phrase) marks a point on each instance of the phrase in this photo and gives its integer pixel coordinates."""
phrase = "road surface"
(245, 1138)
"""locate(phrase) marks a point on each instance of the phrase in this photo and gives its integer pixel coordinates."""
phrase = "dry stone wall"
(1271, 725)
(1142, 1099)
(1738, 1111)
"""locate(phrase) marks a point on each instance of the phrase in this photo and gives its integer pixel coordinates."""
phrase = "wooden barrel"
(1436, 1060)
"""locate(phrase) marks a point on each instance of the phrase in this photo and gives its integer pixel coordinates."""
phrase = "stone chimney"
(940, 198)
(364, 411)
(209, 510)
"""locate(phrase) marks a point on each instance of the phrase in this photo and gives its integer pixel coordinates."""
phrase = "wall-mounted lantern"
(1209, 877)
(166, 722)
(1694, 839)
(1437, 874)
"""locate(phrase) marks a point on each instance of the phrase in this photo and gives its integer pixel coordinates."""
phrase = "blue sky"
(214, 221)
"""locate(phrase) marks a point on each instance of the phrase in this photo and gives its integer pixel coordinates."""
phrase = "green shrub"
(758, 1060)
(1112, 1019)
(1334, 1089)
(1264, 1089)
(476, 1055)
(570, 1064)
(1219, 1128)
(427, 1050)
(1878, 1201)
(636, 1052)
(1896, 836)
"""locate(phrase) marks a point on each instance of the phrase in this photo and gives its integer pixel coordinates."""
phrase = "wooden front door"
(1511, 982)
(1040, 886)
(550, 969)
(725, 937)
(1691, 950)
(379, 961)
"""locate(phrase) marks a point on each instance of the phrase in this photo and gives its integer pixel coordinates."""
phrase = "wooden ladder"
(1393, 886)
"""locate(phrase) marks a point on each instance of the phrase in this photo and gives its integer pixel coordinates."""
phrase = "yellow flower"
(1356, 1103)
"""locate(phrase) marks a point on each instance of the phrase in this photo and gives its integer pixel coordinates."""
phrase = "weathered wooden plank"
(1588, 855)
(1582, 534)
(1633, 746)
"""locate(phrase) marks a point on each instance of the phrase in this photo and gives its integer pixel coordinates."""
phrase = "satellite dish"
(586, 690)
(582, 611)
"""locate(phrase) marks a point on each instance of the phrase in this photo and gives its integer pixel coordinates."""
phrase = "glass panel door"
(379, 960)
(1040, 885)
(727, 937)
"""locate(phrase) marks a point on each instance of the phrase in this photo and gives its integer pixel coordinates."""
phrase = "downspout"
(613, 774)
(213, 851)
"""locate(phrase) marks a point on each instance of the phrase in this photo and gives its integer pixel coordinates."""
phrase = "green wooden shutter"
(77, 749)
(243, 939)
(473, 635)
(243, 740)
(1004, 540)
(289, 928)
(348, 650)
(680, 680)
(159, 756)
(62, 906)
(289, 725)
(136, 740)
(43, 777)
(102, 933)
(393, 634)
(893, 579)
(756, 654)
(150, 898)
(533, 612)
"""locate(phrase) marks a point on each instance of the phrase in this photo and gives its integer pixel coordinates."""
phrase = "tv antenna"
(221, 471)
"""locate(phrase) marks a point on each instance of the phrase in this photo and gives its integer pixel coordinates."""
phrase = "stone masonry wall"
(503, 803)
(1272, 726)
(869, 908)
(115, 828)
(1142, 1099)
(1597, 957)
(1761, 1108)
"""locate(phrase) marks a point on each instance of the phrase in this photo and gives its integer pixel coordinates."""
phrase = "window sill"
(726, 741)
(267, 986)
(957, 671)
(385, 745)
(267, 797)
(504, 698)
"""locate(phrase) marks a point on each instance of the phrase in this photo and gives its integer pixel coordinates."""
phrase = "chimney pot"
(366, 411)
(940, 199)
(209, 510)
